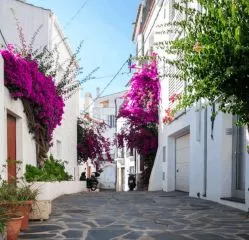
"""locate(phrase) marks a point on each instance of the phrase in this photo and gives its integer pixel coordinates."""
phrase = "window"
(111, 121)
(58, 149)
(105, 104)
(163, 176)
(131, 153)
(132, 170)
(121, 153)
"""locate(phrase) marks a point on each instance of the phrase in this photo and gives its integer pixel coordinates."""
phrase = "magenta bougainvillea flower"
(142, 100)
(140, 109)
(91, 141)
(25, 81)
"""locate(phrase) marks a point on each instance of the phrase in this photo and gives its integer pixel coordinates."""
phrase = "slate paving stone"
(73, 234)
(139, 216)
(169, 236)
(43, 228)
(244, 236)
(104, 222)
(37, 236)
(104, 234)
(76, 225)
(208, 237)
(133, 235)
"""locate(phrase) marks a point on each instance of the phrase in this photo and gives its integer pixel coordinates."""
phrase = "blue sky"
(106, 28)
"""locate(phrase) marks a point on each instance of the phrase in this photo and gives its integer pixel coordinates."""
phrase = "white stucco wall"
(219, 149)
(25, 148)
(102, 113)
(30, 18)
(52, 190)
(107, 178)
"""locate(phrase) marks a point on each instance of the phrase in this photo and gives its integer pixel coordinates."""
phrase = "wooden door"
(11, 147)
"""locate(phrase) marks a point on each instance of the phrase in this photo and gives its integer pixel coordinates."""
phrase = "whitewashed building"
(12, 118)
(105, 108)
(128, 162)
(207, 159)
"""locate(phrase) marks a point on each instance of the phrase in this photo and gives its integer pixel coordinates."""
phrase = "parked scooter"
(131, 182)
(92, 182)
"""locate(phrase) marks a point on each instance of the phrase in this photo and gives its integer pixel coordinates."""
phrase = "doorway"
(182, 163)
(11, 148)
(122, 179)
(238, 162)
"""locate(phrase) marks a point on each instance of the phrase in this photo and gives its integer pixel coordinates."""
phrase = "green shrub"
(3, 219)
(53, 170)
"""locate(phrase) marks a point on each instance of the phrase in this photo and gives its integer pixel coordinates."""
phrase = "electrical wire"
(76, 13)
(107, 85)
(103, 77)
(126, 61)
(72, 18)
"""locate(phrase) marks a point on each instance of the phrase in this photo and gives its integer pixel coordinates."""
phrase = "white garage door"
(182, 163)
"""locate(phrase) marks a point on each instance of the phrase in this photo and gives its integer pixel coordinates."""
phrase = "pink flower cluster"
(91, 142)
(142, 138)
(174, 97)
(169, 116)
(25, 81)
(140, 109)
(142, 100)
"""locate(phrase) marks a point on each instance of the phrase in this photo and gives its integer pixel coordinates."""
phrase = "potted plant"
(26, 197)
(18, 200)
(14, 225)
(3, 222)
(8, 201)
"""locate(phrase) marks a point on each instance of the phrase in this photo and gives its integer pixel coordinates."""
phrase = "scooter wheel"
(93, 187)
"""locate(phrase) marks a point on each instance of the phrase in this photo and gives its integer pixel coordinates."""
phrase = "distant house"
(15, 140)
(128, 162)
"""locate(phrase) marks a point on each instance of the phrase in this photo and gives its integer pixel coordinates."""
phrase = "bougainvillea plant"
(31, 75)
(213, 54)
(142, 99)
(169, 112)
(91, 141)
(140, 110)
(42, 105)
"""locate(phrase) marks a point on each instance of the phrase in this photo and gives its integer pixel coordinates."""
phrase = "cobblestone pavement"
(139, 215)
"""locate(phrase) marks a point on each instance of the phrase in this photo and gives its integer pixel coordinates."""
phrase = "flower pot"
(25, 209)
(13, 227)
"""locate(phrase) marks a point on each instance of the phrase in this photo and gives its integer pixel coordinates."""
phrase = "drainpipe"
(135, 163)
(205, 154)
(116, 154)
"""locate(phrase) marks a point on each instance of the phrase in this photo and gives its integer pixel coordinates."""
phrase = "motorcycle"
(92, 182)
(131, 182)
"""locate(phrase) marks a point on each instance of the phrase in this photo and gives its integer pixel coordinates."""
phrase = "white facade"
(194, 155)
(65, 136)
(106, 109)
(127, 163)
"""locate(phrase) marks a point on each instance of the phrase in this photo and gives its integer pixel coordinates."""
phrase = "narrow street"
(139, 215)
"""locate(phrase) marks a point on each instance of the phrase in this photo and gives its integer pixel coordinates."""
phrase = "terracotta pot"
(25, 209)
(13, 227)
